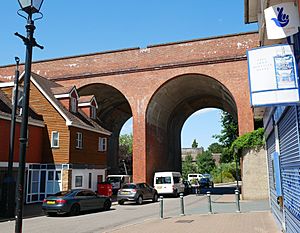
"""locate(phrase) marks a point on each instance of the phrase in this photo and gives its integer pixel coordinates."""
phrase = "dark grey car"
(74, 201)
(136, 192)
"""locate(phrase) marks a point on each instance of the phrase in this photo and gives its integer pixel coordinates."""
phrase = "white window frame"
(52, 139)
(79, 140)
(93, 112)
(102, 144)
(73, 104)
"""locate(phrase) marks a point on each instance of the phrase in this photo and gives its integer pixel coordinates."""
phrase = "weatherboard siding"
(89, 153)
(53, 122)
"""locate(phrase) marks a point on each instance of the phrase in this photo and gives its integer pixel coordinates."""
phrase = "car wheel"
(75, 210)
(139, 200)
(51, 214)
(155, 197)
(107, 205)
(121, 202)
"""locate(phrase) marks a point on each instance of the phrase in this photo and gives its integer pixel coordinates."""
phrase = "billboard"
(272, 75)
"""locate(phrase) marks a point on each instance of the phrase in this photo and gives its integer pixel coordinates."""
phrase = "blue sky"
(92, 26)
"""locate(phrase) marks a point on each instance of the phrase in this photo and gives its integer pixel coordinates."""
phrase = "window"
(163, 180)
(102, 144)
(176, 180)
(78, 181)
(93, 112)
(54, 139)
(79, 140)
(73, 104)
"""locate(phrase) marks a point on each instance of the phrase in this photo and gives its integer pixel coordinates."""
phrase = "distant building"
(191, 151)
(217, 157)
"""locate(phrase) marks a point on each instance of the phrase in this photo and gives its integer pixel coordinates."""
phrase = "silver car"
(136, 192)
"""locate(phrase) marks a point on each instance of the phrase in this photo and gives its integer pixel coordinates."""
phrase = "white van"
(168, 183)
(195, 177)
(117, 181)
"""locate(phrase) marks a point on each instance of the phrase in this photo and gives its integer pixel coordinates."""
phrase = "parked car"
(137, 192)
(194, 178)
(211, 182)
(74, 201)
(117, 181)
(204, 182)
(188, 189)
(168, 183)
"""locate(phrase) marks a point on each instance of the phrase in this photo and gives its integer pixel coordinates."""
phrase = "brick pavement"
(252, 222)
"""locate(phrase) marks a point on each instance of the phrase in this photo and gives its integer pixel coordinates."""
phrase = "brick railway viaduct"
(160, 86)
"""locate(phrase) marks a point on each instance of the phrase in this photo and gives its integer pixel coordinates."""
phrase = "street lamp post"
(10, 203)
(30, 7)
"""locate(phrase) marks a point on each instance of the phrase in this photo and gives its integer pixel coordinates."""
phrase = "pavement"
(251, 222)
(255, 217)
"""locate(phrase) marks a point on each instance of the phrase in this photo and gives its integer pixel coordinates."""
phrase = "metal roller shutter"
(273, 197)
(288, 130)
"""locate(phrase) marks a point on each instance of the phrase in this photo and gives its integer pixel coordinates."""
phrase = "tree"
(229, 130)
(188, 166)
(194, 144)
(215, 148)
(205, 162)
(125, 144)
(125, 152)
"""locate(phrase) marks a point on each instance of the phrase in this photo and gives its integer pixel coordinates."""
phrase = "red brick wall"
(35, 143)
(139, 73)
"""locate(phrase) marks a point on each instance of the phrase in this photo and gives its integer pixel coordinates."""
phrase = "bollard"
(209, 203)
(181, 205)
(237, 201)
(161, 205)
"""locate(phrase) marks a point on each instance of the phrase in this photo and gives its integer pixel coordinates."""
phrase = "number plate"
(124, 192)
(50, 202)
(159, 187)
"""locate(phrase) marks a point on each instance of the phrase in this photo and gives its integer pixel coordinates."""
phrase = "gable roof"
(6, 111)
(87, 101)
(78, 119)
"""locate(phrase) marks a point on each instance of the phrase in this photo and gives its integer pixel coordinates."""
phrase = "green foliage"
(229, 130)
(224, 173)
(205, 162)
(195, 144)
(188, 166)
(252, 140)
(215, 148)
(226, 156)
(125, 145)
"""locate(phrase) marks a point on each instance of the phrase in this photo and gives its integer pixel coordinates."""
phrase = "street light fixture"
(30, 7)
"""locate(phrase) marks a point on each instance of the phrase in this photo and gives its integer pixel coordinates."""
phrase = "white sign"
(282, 20)
(272, 75)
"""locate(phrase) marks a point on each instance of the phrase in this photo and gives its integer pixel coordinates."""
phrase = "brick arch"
(138, 73)
(168, 109)
(113, 111)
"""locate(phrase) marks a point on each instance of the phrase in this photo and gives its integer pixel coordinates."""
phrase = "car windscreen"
(163, 180)
(113, 179)
(129, 186)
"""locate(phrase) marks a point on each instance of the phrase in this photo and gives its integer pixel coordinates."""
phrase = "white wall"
(85, 174)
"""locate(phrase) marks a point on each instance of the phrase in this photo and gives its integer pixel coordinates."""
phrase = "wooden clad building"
(74, 145)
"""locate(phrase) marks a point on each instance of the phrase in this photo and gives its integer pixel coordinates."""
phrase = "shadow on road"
(218, 190)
